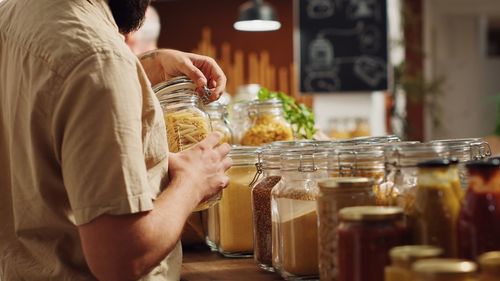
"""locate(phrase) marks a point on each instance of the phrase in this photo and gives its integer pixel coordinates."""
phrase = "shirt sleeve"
(98, 136)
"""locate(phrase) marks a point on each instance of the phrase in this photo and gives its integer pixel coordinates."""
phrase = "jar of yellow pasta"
(186, 121)
(267, 124)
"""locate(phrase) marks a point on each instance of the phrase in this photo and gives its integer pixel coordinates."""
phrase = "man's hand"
(202, 168)
(164, 64)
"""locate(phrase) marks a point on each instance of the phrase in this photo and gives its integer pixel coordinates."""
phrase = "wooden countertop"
(199, 264)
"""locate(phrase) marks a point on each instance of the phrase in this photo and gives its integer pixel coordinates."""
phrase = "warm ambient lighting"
(257, 15)
(257, 25)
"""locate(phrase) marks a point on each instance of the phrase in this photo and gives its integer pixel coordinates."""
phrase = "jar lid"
(492, 163)
(490, 261)
(411, 253)
(434, 163)
(244, 155)
(340, 184)
(272, 102)
(370, 213)
(447, 267)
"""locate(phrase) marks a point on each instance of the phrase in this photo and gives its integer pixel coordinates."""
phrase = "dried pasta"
(266, 129)
(185, 128)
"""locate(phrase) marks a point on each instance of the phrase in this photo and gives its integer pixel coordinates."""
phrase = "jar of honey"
(444, 270)
(403, 257)
(490, 266)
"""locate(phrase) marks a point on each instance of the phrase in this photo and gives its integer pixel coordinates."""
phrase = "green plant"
(300, 116)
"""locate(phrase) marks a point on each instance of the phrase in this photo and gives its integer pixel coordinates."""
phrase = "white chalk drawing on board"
(362, 9)
(320, 9)
(371, 70)
(370, 40)
(327, 81)
(321, 54)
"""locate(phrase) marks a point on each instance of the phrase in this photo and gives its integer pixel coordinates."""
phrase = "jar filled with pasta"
(267, 124)
(186, 121)
(218, 117)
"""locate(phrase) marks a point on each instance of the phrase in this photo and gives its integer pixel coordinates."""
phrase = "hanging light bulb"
(256, 15)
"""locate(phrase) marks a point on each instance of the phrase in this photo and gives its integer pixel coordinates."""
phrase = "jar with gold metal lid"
(403, 257)
(335, 194)
(444, 270)
(489, 263)
(267, 124)
(365, 236)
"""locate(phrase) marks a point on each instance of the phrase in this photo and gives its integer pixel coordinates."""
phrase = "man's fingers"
(193, 73)
(227, 163)
(211, 141)
(223, 149)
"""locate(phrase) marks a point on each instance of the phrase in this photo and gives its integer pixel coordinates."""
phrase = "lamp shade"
(257, 15)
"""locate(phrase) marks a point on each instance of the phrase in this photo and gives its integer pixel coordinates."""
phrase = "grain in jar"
(267, 124)
(235, 207)
(403, 257)
(295, 203)
(335, 194)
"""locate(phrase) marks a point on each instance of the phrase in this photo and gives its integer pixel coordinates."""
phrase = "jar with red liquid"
(365, 236)
(479, 219)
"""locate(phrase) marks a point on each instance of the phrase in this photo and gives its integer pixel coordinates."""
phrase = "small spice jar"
(235, 208)
(489, 263)
(365, 236)
(269, 166)
(186, 121)
(335, 194)
(444, 270)
(218, 118)
(294, 201)
(479, 219)
(403, 257)
(267, 124)
(437, 207)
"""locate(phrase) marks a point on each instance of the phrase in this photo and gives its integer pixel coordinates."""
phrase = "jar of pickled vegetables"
(218, 118)
(267, 124)
(444, 270)
(186, 121)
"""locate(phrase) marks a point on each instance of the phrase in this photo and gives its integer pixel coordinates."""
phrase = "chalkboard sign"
(342, 45)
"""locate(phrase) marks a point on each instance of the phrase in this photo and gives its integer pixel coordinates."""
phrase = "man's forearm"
(129, 246)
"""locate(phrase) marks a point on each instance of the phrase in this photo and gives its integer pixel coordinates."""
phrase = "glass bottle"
(294, 200)
(235, 207)
(185, 120)
(444, 270)
(218, 119)
(479, 220)
(403, 257)
(365, 236)
(489, 263)
(437, 207)
(335, 194)
(267, 124)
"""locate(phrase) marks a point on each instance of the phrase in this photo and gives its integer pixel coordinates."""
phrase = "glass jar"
(294, 200)
(479, 220)
(185, 120)
(335, 194)
(403, 257)
(362, 161)
(235, 207)
(444, 270)
(489, 263)
(218, 118)
(365, 236)
(269, 166)
(267, 124)
(401, 168)
(436, 208)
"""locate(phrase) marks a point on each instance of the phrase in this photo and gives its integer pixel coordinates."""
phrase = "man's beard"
(128, 14)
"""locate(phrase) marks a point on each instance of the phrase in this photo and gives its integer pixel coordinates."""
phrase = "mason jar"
(235, 207)
(403, 257)
(294, 202)
(436, 209)
(334, 195)
(444, 270)
(218, 118)
(365, 236)
(267, 123)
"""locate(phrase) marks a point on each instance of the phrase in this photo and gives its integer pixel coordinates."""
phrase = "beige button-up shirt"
(81, 135)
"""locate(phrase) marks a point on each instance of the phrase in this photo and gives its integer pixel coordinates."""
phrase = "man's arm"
(126, 247)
